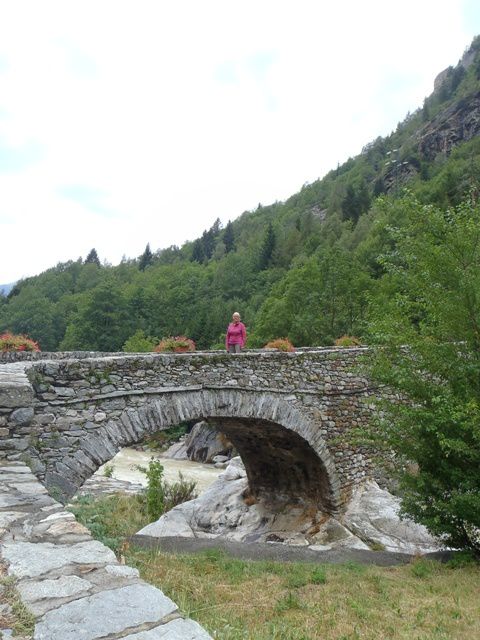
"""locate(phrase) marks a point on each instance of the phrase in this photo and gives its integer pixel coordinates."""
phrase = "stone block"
(108, 613)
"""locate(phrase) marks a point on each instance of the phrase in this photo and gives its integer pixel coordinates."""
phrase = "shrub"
(281, 344)
(175, 344)
(108, 470)
(347, 341)
(11, 342)
(139, 343)
(155, 491)
(161, 496)
(178, 492)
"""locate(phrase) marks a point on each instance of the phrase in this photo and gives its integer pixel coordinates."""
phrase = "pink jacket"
(236, 334)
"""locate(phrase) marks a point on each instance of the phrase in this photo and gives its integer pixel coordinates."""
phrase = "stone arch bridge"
(290, 415)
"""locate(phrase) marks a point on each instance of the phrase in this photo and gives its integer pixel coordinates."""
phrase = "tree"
(229, 238)
(146, 258)
(102, 322)
(198, 253)
(267, 248)
(140, 343)
(92, 258)
(427, 326)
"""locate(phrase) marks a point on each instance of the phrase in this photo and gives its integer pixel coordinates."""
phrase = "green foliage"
(140, 343)
(347, 341)
(102, 321)
(146, 258)
(320, 298)
(14, 614)
(307, 268)
(111, 519)
(108, 470)
(229, 238)
(93, 258)
(267, 248)
(178, 492)
(427, 325)
(162, 496)
(155, 492)
(162, 439)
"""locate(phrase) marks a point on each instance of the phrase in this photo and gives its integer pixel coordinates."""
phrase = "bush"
(139, 343)
(280, 344)
(347, 341)
(11, 342)
(178, 492)
(161, 496)
(175, 344)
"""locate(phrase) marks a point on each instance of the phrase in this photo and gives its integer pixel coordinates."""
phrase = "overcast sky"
(127, 122)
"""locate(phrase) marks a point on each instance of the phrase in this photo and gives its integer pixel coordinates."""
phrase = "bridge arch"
(282, 450)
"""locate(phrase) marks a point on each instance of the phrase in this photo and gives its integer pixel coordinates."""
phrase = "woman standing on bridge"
(236, 335)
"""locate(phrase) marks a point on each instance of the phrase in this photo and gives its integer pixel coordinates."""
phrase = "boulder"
(373, 515)
(202, 444)
(227, 510)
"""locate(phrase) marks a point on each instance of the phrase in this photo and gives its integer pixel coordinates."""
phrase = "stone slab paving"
(72, 584)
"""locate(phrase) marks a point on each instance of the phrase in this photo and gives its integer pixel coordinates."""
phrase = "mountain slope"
(305, 268)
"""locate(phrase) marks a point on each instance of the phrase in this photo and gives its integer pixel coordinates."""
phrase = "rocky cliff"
(458, 123)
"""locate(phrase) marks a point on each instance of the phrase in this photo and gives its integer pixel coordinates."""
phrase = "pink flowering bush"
(11, 342)
(177, 344)
(281, 344)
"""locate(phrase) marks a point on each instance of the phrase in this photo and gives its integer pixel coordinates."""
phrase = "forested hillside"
(308, 268)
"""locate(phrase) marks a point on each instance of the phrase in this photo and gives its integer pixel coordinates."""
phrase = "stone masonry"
(288, 414)
(73, 585)
(63, 415)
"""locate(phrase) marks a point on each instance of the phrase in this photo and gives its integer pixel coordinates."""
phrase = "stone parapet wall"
(326, 371)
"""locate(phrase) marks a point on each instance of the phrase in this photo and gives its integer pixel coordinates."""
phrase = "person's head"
(236, 317)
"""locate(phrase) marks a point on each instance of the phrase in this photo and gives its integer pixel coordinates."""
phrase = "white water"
(125, 463)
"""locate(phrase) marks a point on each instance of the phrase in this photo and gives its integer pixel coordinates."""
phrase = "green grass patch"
(265, 600)
(18, 618)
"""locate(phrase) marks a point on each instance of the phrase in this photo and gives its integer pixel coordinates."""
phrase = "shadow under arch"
(283, 451)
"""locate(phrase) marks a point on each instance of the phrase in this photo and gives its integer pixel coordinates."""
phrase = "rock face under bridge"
(289, 415)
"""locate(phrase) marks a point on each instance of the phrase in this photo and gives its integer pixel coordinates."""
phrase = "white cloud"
(146, 120)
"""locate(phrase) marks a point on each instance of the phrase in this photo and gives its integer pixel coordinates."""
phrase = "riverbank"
(124, 467)
(332, 596)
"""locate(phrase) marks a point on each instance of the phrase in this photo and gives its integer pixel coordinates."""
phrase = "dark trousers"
(234, 348)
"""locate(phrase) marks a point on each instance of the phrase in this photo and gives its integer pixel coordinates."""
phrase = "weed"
(290, 601)
(319, 576)
(422, 568)
(108, 470)
(20, 619)
(462, 559)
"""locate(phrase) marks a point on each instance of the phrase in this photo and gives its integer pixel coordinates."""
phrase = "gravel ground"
(281, 552)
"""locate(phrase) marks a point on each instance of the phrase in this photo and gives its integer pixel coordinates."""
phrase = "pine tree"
(92, 258)
(229, 238)
(146, 258)
(268, 247)
(198, 254)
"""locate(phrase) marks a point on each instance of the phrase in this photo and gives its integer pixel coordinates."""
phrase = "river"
(126, 461)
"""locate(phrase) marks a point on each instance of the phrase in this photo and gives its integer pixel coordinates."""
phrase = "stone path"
(72, 584)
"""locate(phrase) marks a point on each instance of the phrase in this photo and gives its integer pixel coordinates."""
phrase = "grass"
(264, 600)
(111, 519)
(16, 616)
(236, 599)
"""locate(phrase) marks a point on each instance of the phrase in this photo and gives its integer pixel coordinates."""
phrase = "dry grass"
(234, 599)
(16, 616)
(239, 600)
